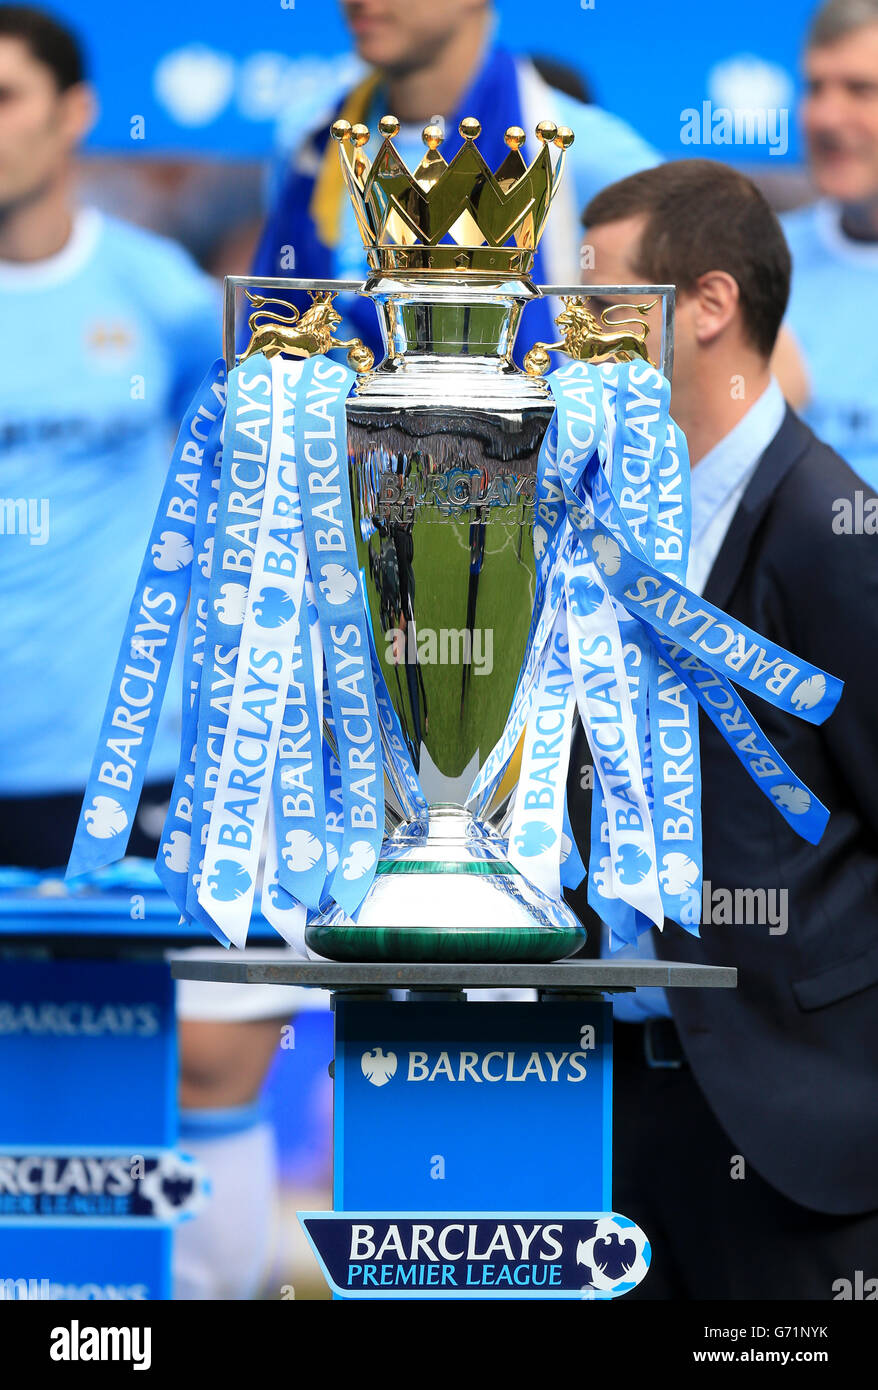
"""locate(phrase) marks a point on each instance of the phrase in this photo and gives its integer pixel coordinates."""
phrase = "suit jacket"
(789, 1061)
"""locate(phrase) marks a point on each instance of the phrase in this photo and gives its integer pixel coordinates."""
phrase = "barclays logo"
(72, 1019)
(545, 1066)
(378, 1066)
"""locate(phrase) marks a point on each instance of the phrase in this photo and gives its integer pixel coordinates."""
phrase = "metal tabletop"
(575, 976)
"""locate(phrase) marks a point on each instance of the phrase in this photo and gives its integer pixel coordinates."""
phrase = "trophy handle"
(588, 339)
(284, 332)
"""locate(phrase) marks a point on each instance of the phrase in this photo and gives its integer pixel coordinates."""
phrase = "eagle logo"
(796, 800)
(172, 551)
(535, 837)
(105, 818)
(584, 596)
(378, 1066)
(607, 555)
(337, 584)
(632, 864)
(205, 559)
(809, 693)
(176, 852)
(301, 850)
(601, 878)
(616, 1257)
(359, 860)
(273, 608)
(230, 605)
(678, 873)
(229, 882)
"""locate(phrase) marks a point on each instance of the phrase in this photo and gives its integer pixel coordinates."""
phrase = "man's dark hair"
(49, 42)
(563, 77)
(703, 216)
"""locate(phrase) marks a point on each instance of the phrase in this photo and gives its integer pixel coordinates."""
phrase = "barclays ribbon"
(144, 662)
(262, 677)
(172, 861)
(246, 441)
(321, 451)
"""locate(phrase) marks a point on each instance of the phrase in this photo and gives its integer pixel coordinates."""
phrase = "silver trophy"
(444, 437)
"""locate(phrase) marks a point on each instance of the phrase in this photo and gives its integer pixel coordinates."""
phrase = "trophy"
(444, 436)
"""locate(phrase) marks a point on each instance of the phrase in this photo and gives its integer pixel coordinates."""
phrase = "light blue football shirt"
(102, 347)
(833, 304)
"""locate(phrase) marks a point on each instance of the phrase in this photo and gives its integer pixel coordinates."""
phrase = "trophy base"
(445, 892)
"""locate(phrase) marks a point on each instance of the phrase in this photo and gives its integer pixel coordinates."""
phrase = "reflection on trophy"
(444, 438)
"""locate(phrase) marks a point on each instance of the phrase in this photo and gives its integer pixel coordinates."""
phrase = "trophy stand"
(93, 1184)
(453, 1119)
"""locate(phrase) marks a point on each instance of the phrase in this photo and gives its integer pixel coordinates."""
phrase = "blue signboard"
(101, 1264)
(90, 1185)
(472, 1107)
(97, 1020)
(478, 1255)
(217, 77)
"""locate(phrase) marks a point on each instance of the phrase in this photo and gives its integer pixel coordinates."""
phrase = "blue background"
(527, 1145)
(644, 59)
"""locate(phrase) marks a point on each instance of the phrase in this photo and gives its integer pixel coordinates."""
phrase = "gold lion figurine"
(301, 335)
(586, 340)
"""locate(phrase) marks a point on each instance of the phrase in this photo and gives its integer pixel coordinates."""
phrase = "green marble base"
(527, 944)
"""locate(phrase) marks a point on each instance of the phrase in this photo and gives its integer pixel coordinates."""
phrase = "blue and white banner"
(148, 645)
(535, 839)
(172, 863)
(288, 727)
(321, 451)
(262, 677)
(260, 502)
(612, 535)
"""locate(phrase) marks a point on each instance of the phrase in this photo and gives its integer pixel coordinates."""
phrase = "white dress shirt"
(718, 484)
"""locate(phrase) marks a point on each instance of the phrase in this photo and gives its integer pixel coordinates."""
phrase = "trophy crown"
(457, 215)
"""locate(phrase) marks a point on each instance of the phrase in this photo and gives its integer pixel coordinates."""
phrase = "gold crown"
(452, 216)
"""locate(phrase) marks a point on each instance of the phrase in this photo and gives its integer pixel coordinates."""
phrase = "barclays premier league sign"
(478, 1255)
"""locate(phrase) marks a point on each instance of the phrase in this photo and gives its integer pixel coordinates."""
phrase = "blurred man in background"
(107, 332)
(440, 60)
(745, 1120)
(834, 242)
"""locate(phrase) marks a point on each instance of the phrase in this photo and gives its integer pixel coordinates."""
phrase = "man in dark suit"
(746, 1122)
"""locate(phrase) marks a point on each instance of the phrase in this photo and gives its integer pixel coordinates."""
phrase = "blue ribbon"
(144, 662)
(321, 453)
(173, 858)
(246, 443)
